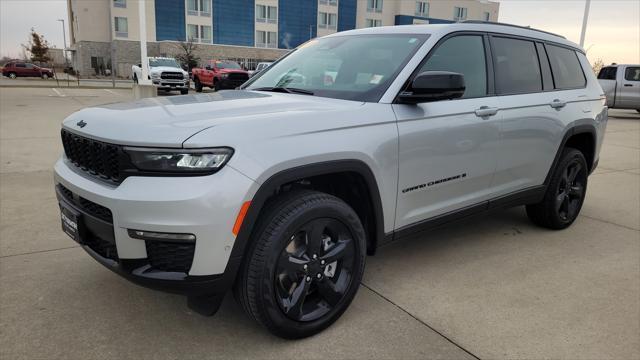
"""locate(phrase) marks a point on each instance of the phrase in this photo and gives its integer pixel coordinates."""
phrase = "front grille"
(170, 256)
(103, 247)
(172, 75)
(92, 156)
(238, 77)
(87, 206)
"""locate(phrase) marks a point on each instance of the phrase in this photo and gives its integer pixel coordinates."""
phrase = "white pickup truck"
(165, 73)
(621, 84)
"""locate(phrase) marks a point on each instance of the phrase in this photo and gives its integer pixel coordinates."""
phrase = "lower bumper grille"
(170, 256)
(103, 247)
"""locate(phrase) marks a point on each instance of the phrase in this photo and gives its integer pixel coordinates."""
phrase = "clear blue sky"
(613, 34)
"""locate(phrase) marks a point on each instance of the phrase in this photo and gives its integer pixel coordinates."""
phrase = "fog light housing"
(161, 236)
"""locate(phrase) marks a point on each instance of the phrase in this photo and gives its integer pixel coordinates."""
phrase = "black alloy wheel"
(315, 269)
(571, 190)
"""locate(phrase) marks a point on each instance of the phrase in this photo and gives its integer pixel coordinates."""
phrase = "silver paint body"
(403, 145)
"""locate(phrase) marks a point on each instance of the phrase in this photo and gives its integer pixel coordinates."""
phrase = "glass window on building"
(374, 5)
(422, 8)
(192, 33)
(199, 7)
(205, 34)
(459, 13)
(328, 2)
(327, 20)
(266, 39)
(120, 3)
(121, 26)
(373, 22)
(267, 14)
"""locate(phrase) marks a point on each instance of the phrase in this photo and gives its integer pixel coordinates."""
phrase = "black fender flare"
(571, 131)
(300, 172)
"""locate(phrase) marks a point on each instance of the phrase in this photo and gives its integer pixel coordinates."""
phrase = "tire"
(12, 75)
(216, 86)
(280, 267)
(638, 110)
(565, 193)
(197, 84)
(135, 79)
(45, 77)
(184, 91)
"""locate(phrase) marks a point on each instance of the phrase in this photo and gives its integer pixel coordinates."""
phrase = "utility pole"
(143, 44)
(64, 39)
(113, 48)
(585, 18)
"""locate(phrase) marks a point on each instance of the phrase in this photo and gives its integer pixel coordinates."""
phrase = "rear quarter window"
(517, 66)
(566, 69)
(632, 74)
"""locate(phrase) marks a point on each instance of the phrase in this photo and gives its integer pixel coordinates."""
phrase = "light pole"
(64, 39)
(585, 18)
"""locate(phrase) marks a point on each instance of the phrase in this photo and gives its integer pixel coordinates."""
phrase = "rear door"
(447, 149)
(31, 70)
(531, 113)
(20, 69)
(630, 88)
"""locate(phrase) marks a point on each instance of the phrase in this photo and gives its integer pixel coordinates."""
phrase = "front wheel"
(565, 193)
(197, 84)
(12, 75)
(45, 76)
(305, 264)
(135, 79)
(184, 91)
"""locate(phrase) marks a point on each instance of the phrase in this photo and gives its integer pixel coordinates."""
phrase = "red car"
(219, 75)
(15, 69)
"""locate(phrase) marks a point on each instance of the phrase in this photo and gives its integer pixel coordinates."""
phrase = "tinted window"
(464, 55)
(517, 67)
(632, 74)
(547, 79)
(19, 64)
(608, 73)
(29, 66)
(565, 66)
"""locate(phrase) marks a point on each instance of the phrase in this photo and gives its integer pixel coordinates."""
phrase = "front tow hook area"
(206, 305)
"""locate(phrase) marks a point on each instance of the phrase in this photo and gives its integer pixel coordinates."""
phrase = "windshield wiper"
(283, 89)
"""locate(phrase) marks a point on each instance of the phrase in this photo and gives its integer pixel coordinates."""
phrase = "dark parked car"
(15, 69)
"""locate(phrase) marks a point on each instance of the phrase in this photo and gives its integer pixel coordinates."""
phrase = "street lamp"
(585, 18)
(64, 39)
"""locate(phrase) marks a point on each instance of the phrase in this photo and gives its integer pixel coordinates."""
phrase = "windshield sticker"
(375, 79)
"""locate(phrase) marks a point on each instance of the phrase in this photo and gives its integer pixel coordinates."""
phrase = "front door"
(447, 149)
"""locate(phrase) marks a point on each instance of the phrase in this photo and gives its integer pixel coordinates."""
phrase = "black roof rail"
(511, 25)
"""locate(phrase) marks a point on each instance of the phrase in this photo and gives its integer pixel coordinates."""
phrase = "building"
(247, 31)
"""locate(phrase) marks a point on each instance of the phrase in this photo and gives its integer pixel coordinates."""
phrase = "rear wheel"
(565, 193)
(304, 266)
(197, 84)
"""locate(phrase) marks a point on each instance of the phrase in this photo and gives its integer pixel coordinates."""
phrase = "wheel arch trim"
(286, 176)
(571, 131)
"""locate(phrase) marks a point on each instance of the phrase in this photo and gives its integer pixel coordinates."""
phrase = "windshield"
(163, 62)
(227, 65)
(351, 67)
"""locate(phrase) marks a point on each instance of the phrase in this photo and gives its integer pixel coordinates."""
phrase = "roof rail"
(511, 25)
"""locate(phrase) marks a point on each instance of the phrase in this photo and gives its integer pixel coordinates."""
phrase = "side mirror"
(433, 86)
(140, 65)
(208, 67)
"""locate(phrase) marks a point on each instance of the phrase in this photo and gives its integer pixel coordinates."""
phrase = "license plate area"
(71, 221)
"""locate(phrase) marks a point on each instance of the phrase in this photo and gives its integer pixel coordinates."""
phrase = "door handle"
(628, 84)
(557, 104)
(486, 111)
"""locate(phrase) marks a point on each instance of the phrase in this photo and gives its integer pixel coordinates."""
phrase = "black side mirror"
(140, 65)
(433, 86)
(208, 67)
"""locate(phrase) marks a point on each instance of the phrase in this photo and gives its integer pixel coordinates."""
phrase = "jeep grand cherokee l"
(352, 141)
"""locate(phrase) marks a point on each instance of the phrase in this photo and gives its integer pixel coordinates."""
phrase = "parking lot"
(493, 286)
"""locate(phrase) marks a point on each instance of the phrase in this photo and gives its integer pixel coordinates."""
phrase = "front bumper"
(205, 206)
(171, 84)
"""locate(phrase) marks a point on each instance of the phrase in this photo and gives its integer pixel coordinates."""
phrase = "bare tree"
(187, 54)
(597, 66)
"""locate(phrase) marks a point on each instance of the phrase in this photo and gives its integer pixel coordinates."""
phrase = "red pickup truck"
(218, 75)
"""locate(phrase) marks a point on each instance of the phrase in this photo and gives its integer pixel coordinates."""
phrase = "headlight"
(155, 75)
(187, 161)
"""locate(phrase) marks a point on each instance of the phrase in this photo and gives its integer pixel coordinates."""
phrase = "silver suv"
(350, 142)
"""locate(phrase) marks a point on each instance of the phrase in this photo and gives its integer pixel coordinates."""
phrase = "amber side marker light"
(240, 218)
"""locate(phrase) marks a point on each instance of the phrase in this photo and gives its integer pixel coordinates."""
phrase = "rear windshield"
(227, 65)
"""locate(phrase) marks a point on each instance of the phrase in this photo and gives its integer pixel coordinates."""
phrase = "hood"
(229, 71)
(170, 121)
